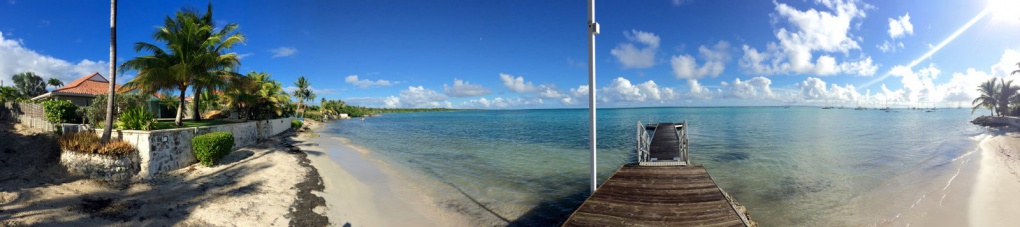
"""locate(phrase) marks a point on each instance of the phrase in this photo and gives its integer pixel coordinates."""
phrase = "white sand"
(362, 191)
(255, 186)
(996, 196)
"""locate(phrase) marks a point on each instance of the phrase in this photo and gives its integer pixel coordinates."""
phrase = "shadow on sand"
(34, 171)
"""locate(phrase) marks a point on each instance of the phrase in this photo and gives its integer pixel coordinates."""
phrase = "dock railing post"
(593, 29)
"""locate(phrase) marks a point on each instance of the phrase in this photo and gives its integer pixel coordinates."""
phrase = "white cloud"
(696, 91)
(462, 88)
(365, 83)
(501, 103)
(326, 91)
(418, 97)
(890, 47)
(755, 88)
(242, 56)
(16, 58)
(633, 57)
(814, 90)
(900, 27)
(517, 84)
(283, 51)
(811, 31)
(622, 92)
(685, 67)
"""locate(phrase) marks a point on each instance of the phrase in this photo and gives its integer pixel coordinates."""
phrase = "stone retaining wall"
(101, 167)
(166, 150)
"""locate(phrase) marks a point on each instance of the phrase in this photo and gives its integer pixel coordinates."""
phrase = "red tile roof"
(92, 84)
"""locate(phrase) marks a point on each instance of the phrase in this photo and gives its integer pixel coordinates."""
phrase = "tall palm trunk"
(195, 112)
(113, 72)
(180, 110)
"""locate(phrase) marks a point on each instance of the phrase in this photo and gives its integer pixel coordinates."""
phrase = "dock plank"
(656, 196)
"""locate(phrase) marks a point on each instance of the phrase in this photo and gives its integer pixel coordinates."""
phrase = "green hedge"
(59, 111)
(210, 147)
(295, 124)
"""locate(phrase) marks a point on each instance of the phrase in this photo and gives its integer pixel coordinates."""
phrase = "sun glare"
(1005, 10)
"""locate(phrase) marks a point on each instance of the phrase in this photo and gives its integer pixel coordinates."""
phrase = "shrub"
(84, 142)
(137, 118)
(313, 115)
(295, 124)
(59, 111)
(210, 147)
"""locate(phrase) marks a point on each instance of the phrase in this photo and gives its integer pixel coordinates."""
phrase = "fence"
(30, 115)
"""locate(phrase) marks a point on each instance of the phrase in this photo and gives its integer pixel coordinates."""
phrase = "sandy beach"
(996, 197)
(362, 190)
(264, 184)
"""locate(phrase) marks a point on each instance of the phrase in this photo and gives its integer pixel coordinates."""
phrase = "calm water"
(796, 166)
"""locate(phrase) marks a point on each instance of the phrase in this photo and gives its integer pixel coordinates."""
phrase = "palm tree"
(29, 84)
(193, 58)
(989, 93)
(302, 93)
(1007, 92)
(213, 68)
(1016, 71)
(268, 98)
(8, 94)
(55, 83)
(113, 73)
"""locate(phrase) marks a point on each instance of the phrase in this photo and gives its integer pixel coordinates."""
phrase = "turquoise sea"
(789, 166)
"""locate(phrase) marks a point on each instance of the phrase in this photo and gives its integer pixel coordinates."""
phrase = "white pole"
(592, 31)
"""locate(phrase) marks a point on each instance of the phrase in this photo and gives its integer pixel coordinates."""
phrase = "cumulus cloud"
(889, 46)
(631, 56)
(754, 88)
(462, 88)
(811, 31)
(814, 90)
(501, 103)
(365, 83)
(621, 91)
(696, 91)
(517, 84)
(417, 97)
(900, 27)
(317, 91)
(283, 51)
(685, 67)
(16, 58)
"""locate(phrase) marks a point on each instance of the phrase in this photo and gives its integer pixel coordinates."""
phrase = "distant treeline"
(409, 110)
(334, 107)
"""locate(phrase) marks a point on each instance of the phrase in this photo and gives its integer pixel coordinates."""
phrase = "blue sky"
(532, 54)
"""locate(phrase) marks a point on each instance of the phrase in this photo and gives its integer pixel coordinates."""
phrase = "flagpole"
(593, 29)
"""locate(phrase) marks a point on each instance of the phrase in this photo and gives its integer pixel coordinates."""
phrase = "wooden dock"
(665, 193)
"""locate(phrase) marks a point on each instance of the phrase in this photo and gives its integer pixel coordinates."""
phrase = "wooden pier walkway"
(670, 193)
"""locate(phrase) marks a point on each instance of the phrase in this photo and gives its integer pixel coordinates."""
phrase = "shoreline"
(980, 187)
(361, 189)
(996, 196)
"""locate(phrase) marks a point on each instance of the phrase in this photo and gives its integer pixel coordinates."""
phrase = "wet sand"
(362, 190)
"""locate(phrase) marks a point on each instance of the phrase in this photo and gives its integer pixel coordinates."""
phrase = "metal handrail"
(643, 143)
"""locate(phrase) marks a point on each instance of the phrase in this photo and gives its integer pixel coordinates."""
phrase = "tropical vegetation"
(193, 57)
(302, 93)
(29, 84)
(999, 96)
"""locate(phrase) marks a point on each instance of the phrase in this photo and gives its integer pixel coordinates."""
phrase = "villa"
(82, 91)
